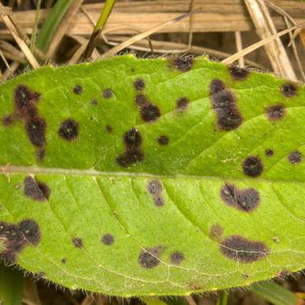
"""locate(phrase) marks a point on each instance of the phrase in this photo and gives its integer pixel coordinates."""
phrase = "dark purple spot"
(107, 93)
(139, 84)
(25, 100)
(77, 242)
(269, 152)
(238, 73)
(182, 103)
(68, 130)
(129, 158)
(176, 258)
(107, 239)
(15, 237)
(183, 64)
(289, 90)
(150, 112)
(163, 140)
(245, 200)
(150, 258)
(276, 112)
(36, 129)
(78, 89)
(109, 128)
(295, 157)
(243, 250)
(224, 103)
(141, 100)
(155, 188)
(216, 232)
(132, 139)
(133, 154)
(252, 166)
(36, 190)
(31, 231)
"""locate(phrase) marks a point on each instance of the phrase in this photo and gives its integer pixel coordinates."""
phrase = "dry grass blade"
(15, 32)
(257, 45)
(239, 47)
(274, 49)
(141, 36)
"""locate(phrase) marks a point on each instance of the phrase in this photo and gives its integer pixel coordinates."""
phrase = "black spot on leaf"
(129, 158)
(36, 190)
(183, 64)
(63, 260)
(224, 104)
(107, 239)
(269, 152)
(163, 140)
(68, 130)
(25, 99)
(182, 103)
(150, 112)
(252, 166)
(245, 200)
(289, 90)
(133, 154)
(275, 112)
(77, 242)
(295, 157)
(15, 237)
(155, 189)
(77, 89)
(176, 258)
(94, 102)
(149, 258)
(243, 250)
(36, 129)
(238, 73)
(141, 100)
(107, 93)
(139, 84)
(31, 231)
(132, 139)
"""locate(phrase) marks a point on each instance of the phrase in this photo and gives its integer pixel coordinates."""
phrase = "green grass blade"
(50, 25)
(11, 286)
(223, 298)
(274, 293)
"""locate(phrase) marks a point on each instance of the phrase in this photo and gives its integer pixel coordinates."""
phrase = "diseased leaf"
(152, 177)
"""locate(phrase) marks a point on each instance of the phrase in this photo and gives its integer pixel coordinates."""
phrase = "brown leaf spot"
(36, 190)
(176, 257)
(107, 239)
(275, 112)
(238, 73)
(252, 166)
(68, 130)
(77, 242)
(163, 140)
(295, 157)
(77, 89)
(245, 200)
(289, 90)
(224, 104)
(183, 64)
(243, 250)
(107, 93)
(149, 258)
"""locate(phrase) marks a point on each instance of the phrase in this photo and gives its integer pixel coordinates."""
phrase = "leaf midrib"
(12, 169)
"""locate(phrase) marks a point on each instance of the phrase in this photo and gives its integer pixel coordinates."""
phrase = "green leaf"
(152, 177)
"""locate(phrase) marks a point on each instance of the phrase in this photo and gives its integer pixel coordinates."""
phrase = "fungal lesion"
(15, 237)
(26, 110)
